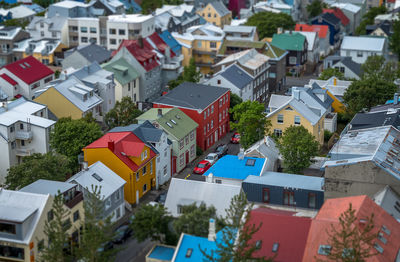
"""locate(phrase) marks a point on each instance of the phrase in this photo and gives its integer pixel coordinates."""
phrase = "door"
(187, 157)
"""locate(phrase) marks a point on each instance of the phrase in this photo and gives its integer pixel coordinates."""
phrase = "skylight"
(324, 250)
(27, 65)
(21, 65)
(168, 124)
(97, 177)
(385, 229)
(189, 252)
(378, 248)
(173, 121)
(250, 162)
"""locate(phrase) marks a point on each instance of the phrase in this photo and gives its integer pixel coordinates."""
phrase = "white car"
(212, 158)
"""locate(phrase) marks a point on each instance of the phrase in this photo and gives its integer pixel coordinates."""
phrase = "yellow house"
(129, 157)
(201, 43)
(44, 50)
(216, 13)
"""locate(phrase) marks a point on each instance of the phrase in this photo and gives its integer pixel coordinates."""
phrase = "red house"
(207, 105)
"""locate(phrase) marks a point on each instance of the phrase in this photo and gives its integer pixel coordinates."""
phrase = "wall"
(163, 160)
(356, 58)
(212, 17)
(246, 93)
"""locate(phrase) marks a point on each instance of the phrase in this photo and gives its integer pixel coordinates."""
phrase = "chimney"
(85, 166)
(396, 98)
(301, 28)
(211, 230)
(63, 75)
(280, 30)
(210, 178)
(241, 154)
(140, 41)
(159, 112)
(334, 81)
(5, 105)
(296, 94)
(111, 145)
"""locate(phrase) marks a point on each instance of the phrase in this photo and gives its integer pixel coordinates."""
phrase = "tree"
(314, 8)
(49, 166)
(376, 67)
(56, 232)
(235, 100)
(190, 74)
(297, 146)
(124, 113)
(250, 121)
(394, 39)
(69, 137)
(351, 241)
(267, 23)
(329, 72)
(368, 18)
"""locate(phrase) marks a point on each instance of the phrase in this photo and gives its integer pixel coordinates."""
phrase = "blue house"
(285, 189)
(234, 169)
(332, 22)
(171, 42)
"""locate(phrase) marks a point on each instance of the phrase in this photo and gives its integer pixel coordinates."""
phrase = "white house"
(24, 130)
(359, 48)
(49, 28)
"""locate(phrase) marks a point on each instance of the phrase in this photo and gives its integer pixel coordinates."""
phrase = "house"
(297, 46)
(236, 5)
(363, 162)
(24, 130)
(386, 245)
(85, 55)
(277, 70)
(282, 234)
(383, 29)
(345, 64)
(22, 13)
(126, 79)
(176, 18)
(324, 46)
(334, 25)
(130, 158)
(276, 6)
(183, 192)
(8, 36)
(352, 12)
(159, 140)
(256, 65)
(285, 189)
(265, 148)
(72, 9)
(160, 253)
(73, 203)
(109, 185)
(87, 30)
(359, 48)
(47, 51)
(335, 89)
(55, 27)
(201, 43)
(24, 77)
(236, 79)
(343, 18)
(233, 170)
(240, 33)
(216, 13)
(313, 50)
(23, 216)
(181, 131)
(389, 201)
(70, 98)
(229, 47)
(207, 105)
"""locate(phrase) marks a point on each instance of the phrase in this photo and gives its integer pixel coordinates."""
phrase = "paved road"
(132, 251)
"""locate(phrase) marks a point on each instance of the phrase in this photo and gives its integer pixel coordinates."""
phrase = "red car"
(235, 139)
(202, 167)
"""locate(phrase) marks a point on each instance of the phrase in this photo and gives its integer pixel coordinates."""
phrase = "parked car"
(161, 198)
(212, 158)
(105, 246)
(122, 234)
(202, 167)
(235, 139)
(221, 150)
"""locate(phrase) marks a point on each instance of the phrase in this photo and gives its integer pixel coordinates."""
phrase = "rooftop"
(43, 186)
(123, 71)
(322, 30)
(129, 18)
(363, 43)
(29, 70)
(92, 52)
(237, 76)
(248, 58)
(289, 41)
(162, 253)
(389, 117)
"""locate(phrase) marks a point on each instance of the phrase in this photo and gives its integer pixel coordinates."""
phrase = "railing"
(23, 135)
(171, 66)
(75, 200)
(24, 152)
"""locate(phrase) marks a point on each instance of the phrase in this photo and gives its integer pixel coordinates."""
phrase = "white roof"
(337, 90)
(186, 192)
(236, 22)
(348, 6)
(21, 11)
(273, 4)
(129, 18)
(209, 32)
(363, 43)
(4, 12)
(110, 181)
(175, 10)
(18, 206)
(69, 4)
(10, 33)
(248, 58)
(277, 101)
(311, 38)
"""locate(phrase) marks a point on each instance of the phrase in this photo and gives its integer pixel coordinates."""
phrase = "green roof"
(273, 51)
(184, 124)
(123, 71)
(240, 44)
(294, 41)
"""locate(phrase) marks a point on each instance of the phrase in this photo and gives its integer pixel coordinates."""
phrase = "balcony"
(78, 197)
(171, 66)
(203, 64)
(23, 135)
(180, 58)
(202, 52)
(24, 152)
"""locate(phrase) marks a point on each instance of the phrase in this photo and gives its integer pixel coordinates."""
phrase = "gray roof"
(375, 119)
(267, 149)
(43, 186)
(220, 8)
(330, 18)
(145, 131)
(237, 76)
(363, 43)
(192, 95)
(350, 64)
(56, 23)
(92, 53)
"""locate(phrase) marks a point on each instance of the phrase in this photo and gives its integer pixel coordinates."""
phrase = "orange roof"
(322, 30)
(329, 215)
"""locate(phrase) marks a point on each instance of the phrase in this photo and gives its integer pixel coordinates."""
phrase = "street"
(133, 251)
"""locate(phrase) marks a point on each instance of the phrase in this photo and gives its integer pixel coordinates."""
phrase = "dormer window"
(84, 97)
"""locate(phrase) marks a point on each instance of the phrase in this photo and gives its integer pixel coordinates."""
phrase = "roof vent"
(189, 252)
(353, 134)
(123, 153)
(250, 162)
(97, 177)
(178, 116)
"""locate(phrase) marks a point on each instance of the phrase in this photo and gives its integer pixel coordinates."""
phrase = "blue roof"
(171, 42)
(10, 1)
(232, 167)
(391, 101)
(131, 4)
(162, 253)
(237, 76)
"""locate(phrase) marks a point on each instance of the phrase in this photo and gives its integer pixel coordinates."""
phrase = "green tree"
(394, 39)
(298, 147)
(124, 113)
(368, 18)
(314, 8)
(16, 22)
(250, 121)
(267, 23)
(49, 166)
(351, 241)
(376, 67)
(68, 137)
(56, 233)
(329, 72)
(148, 6)
(190, 74)
(234, 100)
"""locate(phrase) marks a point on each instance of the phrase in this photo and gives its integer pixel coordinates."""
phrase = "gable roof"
(192, 96)
(44, 186)
(240, 44)
(248, 58)
(294, 41)
(322, 30)
(29, 70)
(8, 79)
(171, 41)
(356, 68)
(328, 18)
(267, 148)
(339, 14)
(220, 8)
(375, 119)
(92, 52)
(158, 43)
(123, 71)
(274, 52)
(311, 39)
(237, 76)
(145, 132)
(363, 43)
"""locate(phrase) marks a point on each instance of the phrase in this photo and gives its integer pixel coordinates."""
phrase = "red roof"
(144, 54)
(8, 79)
(329, 215)
(339, 14)
(160, 44)
(29, 70)
(282, 227)
(322, 30)
(126, 144)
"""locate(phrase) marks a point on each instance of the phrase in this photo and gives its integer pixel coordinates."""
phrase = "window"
(209, 14)
(121, 32)
(359, 54)
(93, 30)
(292, 60)
(108, 203)
(144, 154)
(212, 109)
(84, 39)
(181, 159)
(212, 124)
(187, 139)
(50, 215)
(179, 209)
(22, 143)
(118, 213)
(324, 250)
(40, 245)
(7, 228)
(144, 188)
(53, 34)
(151, 167)
(205, 130)
(280, 119)
(208, 127)
(219, 82)
(192, 151)
(112, 31)
(199, 44)
(297, 120)
(12, 129)
(165, 170)
(117, 195)
(250, 162)
(41, 33)
(13, 145)
(311, 200)
(275, 247)
(83, 29)
(288, 198)
(67, 224)
(213, 45)
(278, 132)
(137, 176)
(76, 215)
(192, 135)
(266, 195)
(205, 115)
(144, 170)
(113, 41)
(219, 117)
(220, 102)
(208, 112)
(272, 75)
(93, 40)
(181, 144)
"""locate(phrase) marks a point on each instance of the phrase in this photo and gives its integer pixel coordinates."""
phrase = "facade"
(111, 188)
(285, 189)
(216, 13)
(85, 55)
(87, 30)
(359, 48)
(47, 51)
(24, 130)
(207, 105)
(265, 148)
(24, 77)
(353, 13)
(385, 199)
(277, 70)
(297, 46)
(22, 13)
(8, 36)
(130, 158)
(346, 65)
(345, 22)
(97, 8)
(176, 18)
(334, 25)
(313, 47)
(181, 131)
(55, 27)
